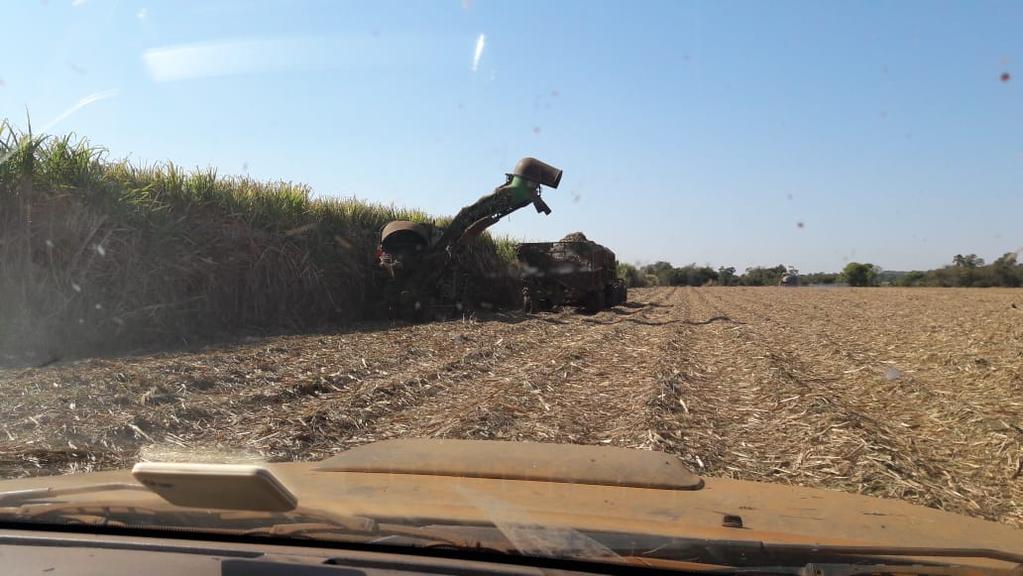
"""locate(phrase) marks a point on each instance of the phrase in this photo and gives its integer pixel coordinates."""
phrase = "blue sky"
(730, 133)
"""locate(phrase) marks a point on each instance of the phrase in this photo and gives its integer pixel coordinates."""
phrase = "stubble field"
(914, 394)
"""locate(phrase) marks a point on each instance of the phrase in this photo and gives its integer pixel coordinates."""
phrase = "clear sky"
(729, 133)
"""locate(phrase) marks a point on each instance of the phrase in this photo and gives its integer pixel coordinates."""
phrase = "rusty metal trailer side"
(569, 272)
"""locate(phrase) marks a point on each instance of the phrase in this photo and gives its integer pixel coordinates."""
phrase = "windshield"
(776, 242)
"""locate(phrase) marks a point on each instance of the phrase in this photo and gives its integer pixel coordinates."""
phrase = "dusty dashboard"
(55, 553)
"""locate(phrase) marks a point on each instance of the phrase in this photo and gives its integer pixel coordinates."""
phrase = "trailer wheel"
(621, 293)
(469, 298)
(528, 301)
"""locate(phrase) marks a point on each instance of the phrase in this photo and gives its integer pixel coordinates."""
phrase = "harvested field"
(902, 393)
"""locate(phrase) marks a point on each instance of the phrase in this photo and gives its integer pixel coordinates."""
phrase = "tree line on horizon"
(967, 270)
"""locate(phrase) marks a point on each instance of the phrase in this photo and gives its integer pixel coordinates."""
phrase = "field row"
(913, 394)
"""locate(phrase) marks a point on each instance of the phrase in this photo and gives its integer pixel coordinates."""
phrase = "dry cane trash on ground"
(901, 393)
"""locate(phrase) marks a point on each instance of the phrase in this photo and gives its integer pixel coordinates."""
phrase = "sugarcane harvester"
(421, 264)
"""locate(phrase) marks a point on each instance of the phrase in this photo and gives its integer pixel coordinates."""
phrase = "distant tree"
(662, 270)
(674, 277)
(727, 277)
(912, 278)
(1007, 259)
(967, 270)
(760, 276)
(689, 275)
(820, 278)
(700, 275)
(631, 275)
(968, 261)
(889, 276)
(946, 277)
(657, 267)
(1006, 270)
(860, 274)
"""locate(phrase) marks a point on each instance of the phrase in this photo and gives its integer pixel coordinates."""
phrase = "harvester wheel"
(528, 304)
(621, 293)
(594, 301)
